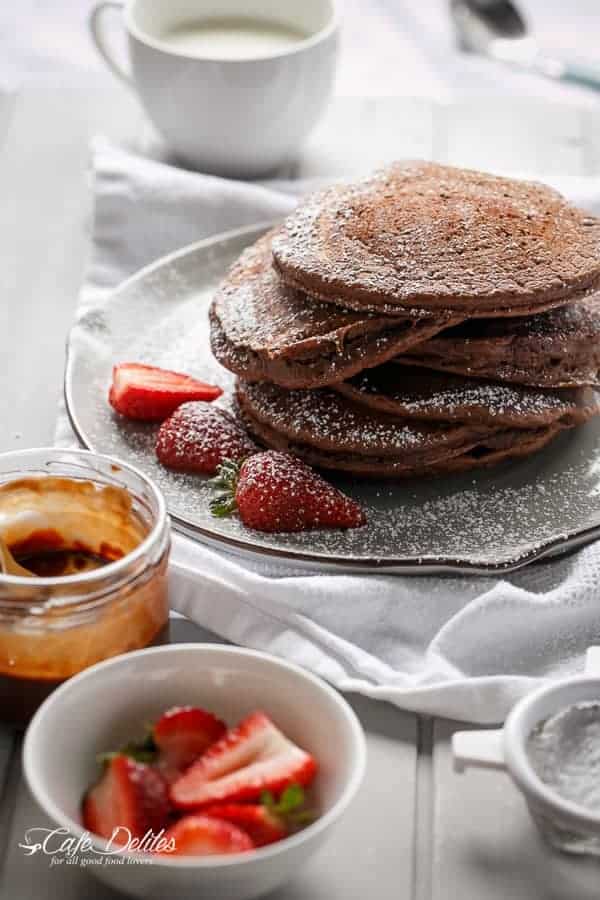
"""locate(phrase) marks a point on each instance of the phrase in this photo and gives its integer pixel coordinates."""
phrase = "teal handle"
(582, 73)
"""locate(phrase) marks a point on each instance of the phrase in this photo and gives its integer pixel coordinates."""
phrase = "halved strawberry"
(252, 758)
(263, 826)
(204, 836)
(129, 795)
(151, 394)
(198, 438)
(182, 734)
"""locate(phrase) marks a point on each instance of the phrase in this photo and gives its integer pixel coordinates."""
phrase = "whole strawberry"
(197, 437)
(277, 492)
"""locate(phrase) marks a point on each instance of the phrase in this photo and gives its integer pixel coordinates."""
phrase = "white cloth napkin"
(461, 647)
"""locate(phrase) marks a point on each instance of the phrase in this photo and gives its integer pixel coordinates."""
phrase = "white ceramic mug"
(234, 117)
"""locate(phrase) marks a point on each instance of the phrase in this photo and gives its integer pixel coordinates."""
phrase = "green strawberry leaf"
(267, 799)
(225, 481)
(143, 751)
(289, 806)
(222, 506)
(291, 799)
(303, 817)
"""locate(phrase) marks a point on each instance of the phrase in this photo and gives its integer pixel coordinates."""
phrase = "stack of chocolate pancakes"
(427, 319)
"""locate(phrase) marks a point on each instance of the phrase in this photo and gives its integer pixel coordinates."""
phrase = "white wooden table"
(418, 831)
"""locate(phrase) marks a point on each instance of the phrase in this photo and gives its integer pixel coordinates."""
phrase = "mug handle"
(100, 40)
(479, 749)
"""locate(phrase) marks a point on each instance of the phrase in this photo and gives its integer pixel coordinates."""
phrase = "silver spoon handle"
(581, 73)
(564, 69)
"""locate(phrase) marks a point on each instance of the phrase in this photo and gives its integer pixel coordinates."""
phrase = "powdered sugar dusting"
(422, 394)
(197, 437)
(327, 420)
(564, 751)
(263, 330)
(423, 234)
(560, 348)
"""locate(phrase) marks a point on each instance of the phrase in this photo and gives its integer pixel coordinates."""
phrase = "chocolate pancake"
(559, 348)
(489, 451)
(423, 235)
(263, 330)
(331, 431)
(423, 395)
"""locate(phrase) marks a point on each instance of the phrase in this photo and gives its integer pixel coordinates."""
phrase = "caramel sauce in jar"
(58, 563)
(97, 549)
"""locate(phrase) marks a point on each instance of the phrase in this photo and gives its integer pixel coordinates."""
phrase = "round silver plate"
(480, 522)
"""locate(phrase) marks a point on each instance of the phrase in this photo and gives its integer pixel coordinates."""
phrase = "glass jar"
(53, 627)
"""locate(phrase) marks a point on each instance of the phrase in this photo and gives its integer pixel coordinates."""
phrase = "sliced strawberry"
(182, 734)
(263, 826)
(204, 836)
(152, 394)
(252, 758)
(198, 438)
(129, 795)
(275, 491)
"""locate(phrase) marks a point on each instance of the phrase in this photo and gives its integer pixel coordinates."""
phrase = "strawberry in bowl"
(191, 786)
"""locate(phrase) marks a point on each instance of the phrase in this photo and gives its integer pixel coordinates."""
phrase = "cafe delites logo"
(61, 847)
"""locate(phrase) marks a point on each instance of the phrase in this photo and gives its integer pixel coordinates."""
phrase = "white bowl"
(109, 704)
